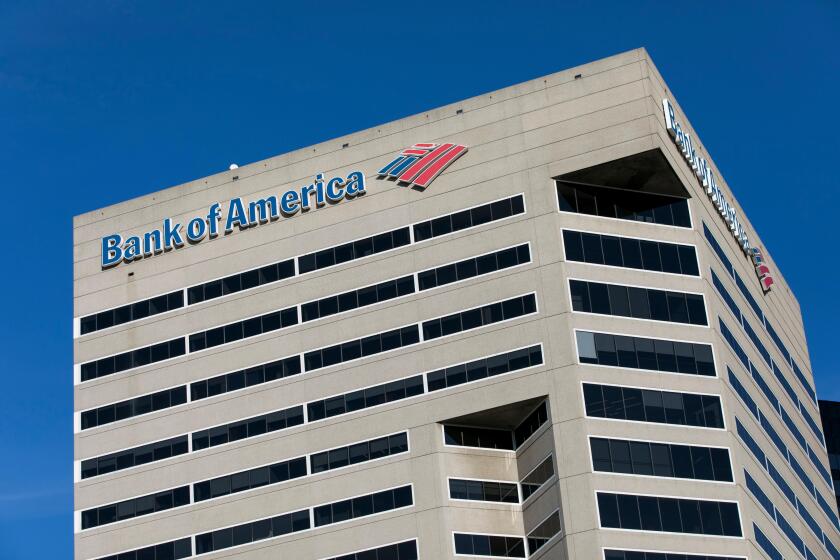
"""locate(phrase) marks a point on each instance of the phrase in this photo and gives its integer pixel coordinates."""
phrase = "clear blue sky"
(103, 101)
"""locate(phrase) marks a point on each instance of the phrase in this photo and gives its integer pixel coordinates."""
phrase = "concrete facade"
(520, 139)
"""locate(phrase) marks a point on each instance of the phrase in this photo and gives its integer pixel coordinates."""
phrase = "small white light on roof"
(233, 166)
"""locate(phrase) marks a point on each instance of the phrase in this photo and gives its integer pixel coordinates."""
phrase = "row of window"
(534, 480)
(485, 367)
(135, 456)
(239, 330)
(645, 555)
(480, 316)
(317, 260)
(250, 427)
(326, 514)
(783, 524)
(497, 546)
(774, 474)
(544, 532)
(629, 252)
(359, 453)
(133, 358)
(296, 468)
(241, 281)
(496, 438)
(652, 405)
(530, 425)
(251, 532)
(134, 407)
(293, 416)
(354, 299)
(362, 506)
(739, 351)
(660, 459)
(135, 507)
(365, 398)
(353, 250)
(361, 347)
(173, 550)
(132, 312)
(471, 217)
(483, 491)
(742, 287)
(638, 303)
(645, 353)
(276, 320)
(766, 545)
(780, 411)
(325, 357)
(400, 551)
(623, 204)
(670, 515)
(474, 266)
(249, 377)
(247, 480)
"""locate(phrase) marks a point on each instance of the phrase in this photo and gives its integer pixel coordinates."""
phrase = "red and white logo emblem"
(420, 164)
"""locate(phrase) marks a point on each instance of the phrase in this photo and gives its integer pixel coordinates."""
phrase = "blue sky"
(103, 101)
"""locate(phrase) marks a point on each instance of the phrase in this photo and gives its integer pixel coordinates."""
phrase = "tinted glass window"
(623, 204)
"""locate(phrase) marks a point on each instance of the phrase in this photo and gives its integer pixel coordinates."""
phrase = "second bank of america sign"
(416, 166)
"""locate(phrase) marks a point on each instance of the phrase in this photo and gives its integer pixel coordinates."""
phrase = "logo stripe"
(395, 172)
(424, 162)
(438, 166)
(384, 170)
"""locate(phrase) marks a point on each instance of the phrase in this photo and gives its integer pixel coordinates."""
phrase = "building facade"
(535, 323)
(830, 415)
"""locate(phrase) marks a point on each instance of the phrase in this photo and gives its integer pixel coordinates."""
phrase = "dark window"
(353, 250)
(173, 550)
(625, 301)
(366, 398)
(357, 298)
(359, 452)
(483, 490)
(479, 316)
(484, 264)
(531, 424)
(650, 405)
(243, 329)
(623, 204)
(402, 551)
(465, 436)
(627, 252)
(254, 375)
(681, 515)
(134, 507)
(252, 532)
(489, 545)
(132, 312)
(251, 427)
(359, 507)
(469, 218)
(133, 457)
(245, 480)
(534, 480)
(134, 358)
(660, 459)
(134, 407)
(645, 353)
(484, 367)
(363, 347)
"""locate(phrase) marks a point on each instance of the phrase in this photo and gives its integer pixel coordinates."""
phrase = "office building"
(531, 324)
(830, 415)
